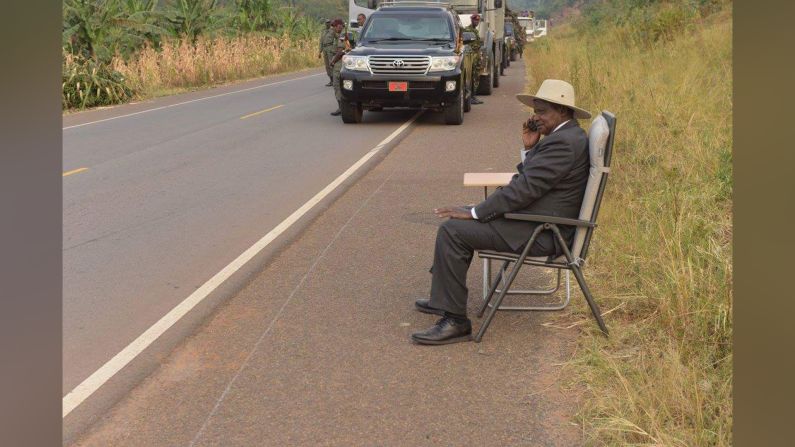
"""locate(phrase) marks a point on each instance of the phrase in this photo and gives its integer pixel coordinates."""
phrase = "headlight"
(446, 63)
(347, 84)
(355, 63)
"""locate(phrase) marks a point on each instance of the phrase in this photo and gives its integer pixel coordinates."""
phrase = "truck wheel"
(352, 113)
(486, 83)
(454, 113)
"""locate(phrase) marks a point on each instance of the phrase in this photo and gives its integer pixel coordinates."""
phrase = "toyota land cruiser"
(409, 55)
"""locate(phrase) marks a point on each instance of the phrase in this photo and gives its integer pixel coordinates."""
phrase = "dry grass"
(180, 65)
(663, 249)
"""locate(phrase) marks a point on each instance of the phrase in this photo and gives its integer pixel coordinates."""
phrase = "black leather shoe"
(337, 112)
(424, 305)
(445, 331)
(329, 84)
(475, 100)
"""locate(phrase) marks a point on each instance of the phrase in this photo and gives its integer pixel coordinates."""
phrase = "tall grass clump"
(661, 258)
(183, 65)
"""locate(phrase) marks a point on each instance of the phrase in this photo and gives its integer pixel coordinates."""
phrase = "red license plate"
(398, 86)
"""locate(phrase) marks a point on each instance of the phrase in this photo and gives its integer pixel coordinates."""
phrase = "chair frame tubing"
(573, 266)
(549, 307)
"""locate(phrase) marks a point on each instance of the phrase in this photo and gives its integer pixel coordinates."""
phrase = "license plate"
(398, 86)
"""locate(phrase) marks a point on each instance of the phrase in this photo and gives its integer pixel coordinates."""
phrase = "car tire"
(352, 113)
(454, 113)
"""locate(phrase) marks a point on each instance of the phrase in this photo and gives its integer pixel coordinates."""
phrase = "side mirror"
(498, 4)
(468, 37)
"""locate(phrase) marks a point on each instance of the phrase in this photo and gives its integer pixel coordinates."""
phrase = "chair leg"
(589, 298)
(511, 277)
(580, 280)
(494, 285)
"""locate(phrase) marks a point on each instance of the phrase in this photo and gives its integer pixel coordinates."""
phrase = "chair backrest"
(600, 149)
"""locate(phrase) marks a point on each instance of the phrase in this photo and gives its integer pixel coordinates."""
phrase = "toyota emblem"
(398, 63)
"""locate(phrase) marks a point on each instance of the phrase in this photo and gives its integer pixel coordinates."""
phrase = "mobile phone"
(531, 124)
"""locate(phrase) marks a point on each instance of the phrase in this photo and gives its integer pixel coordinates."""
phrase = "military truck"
(527, 20)
(492, 34)
(410, 54)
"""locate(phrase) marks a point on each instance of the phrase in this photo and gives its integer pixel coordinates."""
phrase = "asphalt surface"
(315, 349)
(172, 195)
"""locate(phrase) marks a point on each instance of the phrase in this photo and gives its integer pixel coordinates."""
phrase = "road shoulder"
(315, 349)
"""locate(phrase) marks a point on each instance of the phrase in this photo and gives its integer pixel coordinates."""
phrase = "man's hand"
(453, 212)
(530, 137)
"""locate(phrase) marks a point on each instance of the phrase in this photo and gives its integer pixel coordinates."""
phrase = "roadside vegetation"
(661, 264)
(118, 50)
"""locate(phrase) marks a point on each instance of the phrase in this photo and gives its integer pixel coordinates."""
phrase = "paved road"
(159, 201)
(316, 351)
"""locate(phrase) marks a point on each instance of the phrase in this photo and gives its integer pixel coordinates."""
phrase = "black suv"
(409, 56)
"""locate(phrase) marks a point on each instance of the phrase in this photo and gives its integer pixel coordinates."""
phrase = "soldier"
(341, 46)
(356, 32)
(327, 50)
(475, 46)
(518, 31)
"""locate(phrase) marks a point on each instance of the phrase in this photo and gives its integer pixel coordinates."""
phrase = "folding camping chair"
(600, 147)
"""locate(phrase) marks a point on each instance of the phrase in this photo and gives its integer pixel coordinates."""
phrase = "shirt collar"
(560, 125)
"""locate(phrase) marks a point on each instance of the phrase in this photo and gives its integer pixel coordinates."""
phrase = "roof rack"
(439, 4)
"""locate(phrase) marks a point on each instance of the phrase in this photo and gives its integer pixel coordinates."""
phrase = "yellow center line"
(74, 171)
(261, 112)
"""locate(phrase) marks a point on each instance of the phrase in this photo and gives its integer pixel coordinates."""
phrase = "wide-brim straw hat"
(556, 92)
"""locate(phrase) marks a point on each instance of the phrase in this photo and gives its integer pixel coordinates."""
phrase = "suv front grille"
(404, 65)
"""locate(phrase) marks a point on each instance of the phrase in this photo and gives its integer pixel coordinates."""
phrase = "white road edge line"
(192, 100)
(91, 384)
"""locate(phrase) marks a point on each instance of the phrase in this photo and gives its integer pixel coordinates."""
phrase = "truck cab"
(409, 55)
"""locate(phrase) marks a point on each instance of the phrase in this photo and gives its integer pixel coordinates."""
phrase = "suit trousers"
(456, 243)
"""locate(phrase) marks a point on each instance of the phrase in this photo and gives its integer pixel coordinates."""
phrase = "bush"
(88, 83)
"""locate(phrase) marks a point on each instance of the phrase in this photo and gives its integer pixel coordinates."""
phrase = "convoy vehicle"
(492, 34)
(409, 54)
(540, 28)
(491, 31)
(528, 22)
(511, 47)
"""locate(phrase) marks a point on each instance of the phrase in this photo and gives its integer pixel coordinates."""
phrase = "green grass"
(661, 257)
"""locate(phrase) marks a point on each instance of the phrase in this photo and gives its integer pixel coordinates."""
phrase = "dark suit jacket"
(551, 181)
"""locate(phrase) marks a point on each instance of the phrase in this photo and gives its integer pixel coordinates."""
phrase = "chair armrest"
(549, 219)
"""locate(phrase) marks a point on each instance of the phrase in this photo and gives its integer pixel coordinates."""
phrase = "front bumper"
(425, 91)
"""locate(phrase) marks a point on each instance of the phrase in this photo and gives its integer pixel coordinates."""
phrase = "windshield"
(408, 27)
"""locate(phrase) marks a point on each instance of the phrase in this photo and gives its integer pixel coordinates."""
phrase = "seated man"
(551, 181)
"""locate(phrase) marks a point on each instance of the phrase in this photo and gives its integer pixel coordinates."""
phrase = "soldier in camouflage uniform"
(356, 32)
(339, 49)
(519, 33)
(475, 46)
(327, 49)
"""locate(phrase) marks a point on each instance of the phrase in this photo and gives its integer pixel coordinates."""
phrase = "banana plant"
(253, 15)
(189, 19)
